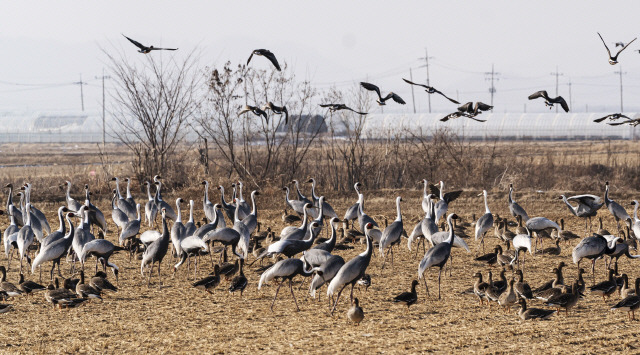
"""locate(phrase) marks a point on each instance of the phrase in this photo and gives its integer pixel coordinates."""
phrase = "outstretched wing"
(625, 47)
(602, 118)
(244, 110)
(541, 93)
(352, 110)
(371, 87)
(137, 44)
(474, 118)
(468, 107)
(446, 97)
(450, 116)
(434, 190)
(412, 83)
(562, 103)
(163, 49)
(452, 196)
(483, 107)
(251, 56)
(605, 45)
(395, 98)
(272, 59)
(327, 105)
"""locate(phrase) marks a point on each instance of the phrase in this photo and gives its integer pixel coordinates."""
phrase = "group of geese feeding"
(299, 250)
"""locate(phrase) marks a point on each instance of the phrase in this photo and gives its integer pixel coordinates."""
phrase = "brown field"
(176, 318)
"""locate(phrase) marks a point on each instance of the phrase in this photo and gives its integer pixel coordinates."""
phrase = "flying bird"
(267, 54)
(631, 122)
(460, 114)
(144, 49)
(278, 110)
(619, 44)
(431, 90)
(338, 107)
(613, 60)
(550, 101)
(611, 117)
(381, 100)
(255, 110)
(476, 109)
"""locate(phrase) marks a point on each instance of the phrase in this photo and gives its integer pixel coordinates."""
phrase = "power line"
(426, 59)
(492, 89)
(621, 102)
(557, 75)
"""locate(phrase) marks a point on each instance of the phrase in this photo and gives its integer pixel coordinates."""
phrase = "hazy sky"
(46, 45)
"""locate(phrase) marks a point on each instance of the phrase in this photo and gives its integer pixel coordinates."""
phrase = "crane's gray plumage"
(438, 255)
(393, 232)
(618, 212)
(331, 242)
(327, 210)
(132, 228)
(485, 222)
(72, 204)
(325, 273)
(56, 250)
(157, 250)
(352, 212)
(515, 208)
(190, 226)
(442, 206)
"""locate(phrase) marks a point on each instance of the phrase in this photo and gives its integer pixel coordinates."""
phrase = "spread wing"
(328, 105)
(371, 87)
(605, 45)
(446, 97)
(450, 116)
(541, 93)
(412, 83)
(352, 110)
(434, 189)
(483, 106)
(623, 48)
(602, 118)
(452, 196)
(395, 98)
(251, 56)
(562, 103)
(163, 49)
(244, 110)
(475, 119)
(137, 44)
(272, 59)
(468, 107)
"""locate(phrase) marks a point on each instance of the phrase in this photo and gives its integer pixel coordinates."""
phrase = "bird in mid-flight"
(631, 122)
(255, 110)
(550, 101)
(431, 90)
(611, 117)
(338, 107)
(144, 49)
(267, 54)
(278, 110)
(474, 109)
(381, 100)
(460, 114)
(613, 60)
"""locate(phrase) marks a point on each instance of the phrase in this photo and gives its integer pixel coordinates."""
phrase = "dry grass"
(177, 318)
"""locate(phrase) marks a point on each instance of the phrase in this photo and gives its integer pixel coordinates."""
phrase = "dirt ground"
(177, 318)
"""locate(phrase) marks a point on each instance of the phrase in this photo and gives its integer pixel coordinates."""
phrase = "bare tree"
(152, 104)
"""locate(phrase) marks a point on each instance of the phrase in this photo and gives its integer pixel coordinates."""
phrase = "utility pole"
(621, 103)
(104, 129)
(413, 98)
(557, 75)
(81, 93)
(426, 59)
(492, 76)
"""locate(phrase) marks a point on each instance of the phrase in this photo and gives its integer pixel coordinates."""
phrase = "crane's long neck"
(367, 253)
(165, 229)
(179, 218)
(286, 195)
(190, 211)
(12, 216)
(118, 188)
(206, 193)
(68, 191)
(451, 234)
(635, 211)
(304, 218)
(399, 214)
(28, 213)
(236, 214)
(113, 202)
(61, 220)
(222, 201)
(10, 197)
(486, 204)
(254, 211)
(441, 190)
(71, 227)
(332, 239)
(606, 195)
(300, 195)
(149, 197)
(158, 192)
(240, 192)
(511, 195)
(361, 204)
(129, 189)
(87, 195)
(313, 190)
(320, 209)
(424, 188)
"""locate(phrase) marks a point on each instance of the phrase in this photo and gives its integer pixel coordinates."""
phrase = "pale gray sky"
(335, 42)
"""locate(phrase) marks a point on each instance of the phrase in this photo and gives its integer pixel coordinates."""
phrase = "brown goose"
(565, 300)
(522, 288)
(210, 282)
(491, 294)
(355, 313)
(480, 287)
(553, 250)
(625, 290)
(7, 286)
(605, 288)
(100, 282)
(533, 313)
(557, 281)
(509, 297)
(239, 283)
(630, 303)
(490, 258)
(408, 298)
(58, 296)
(4, 308)
(85, 290)
(29, 287)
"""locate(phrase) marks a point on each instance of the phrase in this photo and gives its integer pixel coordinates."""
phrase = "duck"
(533, 313)
(605, 288)
(565, 300)
(630, 303)
(408, 298)
(355, 313)
(210, 282)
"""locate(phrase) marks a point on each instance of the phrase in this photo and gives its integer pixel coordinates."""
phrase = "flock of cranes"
(300, 251)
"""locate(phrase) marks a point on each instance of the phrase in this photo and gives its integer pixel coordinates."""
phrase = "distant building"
(305, 123)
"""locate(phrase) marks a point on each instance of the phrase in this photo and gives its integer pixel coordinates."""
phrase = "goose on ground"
(408, 298)
(355, 313)
(533, 313)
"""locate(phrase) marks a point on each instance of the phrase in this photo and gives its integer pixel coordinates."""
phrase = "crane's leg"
(211, 254)
(337, 299)
(352, 284)
(392, 256)
(593, 271)
(425, 286)
(150, 272)
(276, 296)
(53, 266)
(439, 273)
(293, 295)
(424, 241)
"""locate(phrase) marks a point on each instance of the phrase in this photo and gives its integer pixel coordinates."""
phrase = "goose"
(122, 203)
(7, 286)
(438, 255)
(55, 250)
(171, 214)
(251, 220)
(190, 226)
(62, 230)
(431, 90)
(491, 294)
(229, 209)
(16, 211)
(207, 206)
(352, 212)
(327, 210)
(588, 206)
(147, 49)
(605, 288)
(480, 287)
(28, 287)
(382, 100)
(156, 251)
(42, 219)
(25, 236)
(284, 270)
(267, 54)
(391, 234)
(408, 298)
(514, 207)
(325, 273)
(490, 258)
(278, 110)
(150, 207)
(102, 249)
(625, 290)
(58, 296)
(522, 289)
(355, 313)
(616, 210)
(210, 282)
(550, 101)
(338, 107)
(533, 313)
(72, 204)
(553, 250)
(239, 282)
(612, 117)
(351, 271)
(613, 60)
(132, 228)
(630, 303)
(100, 282)
(565, 300)
(290, 218)
(442, 206)
(509, 297)
(539, 224)
(117, 215)
(459, 114)
(84, 290)
(485, 222)
(474, 109)
(592, 248)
